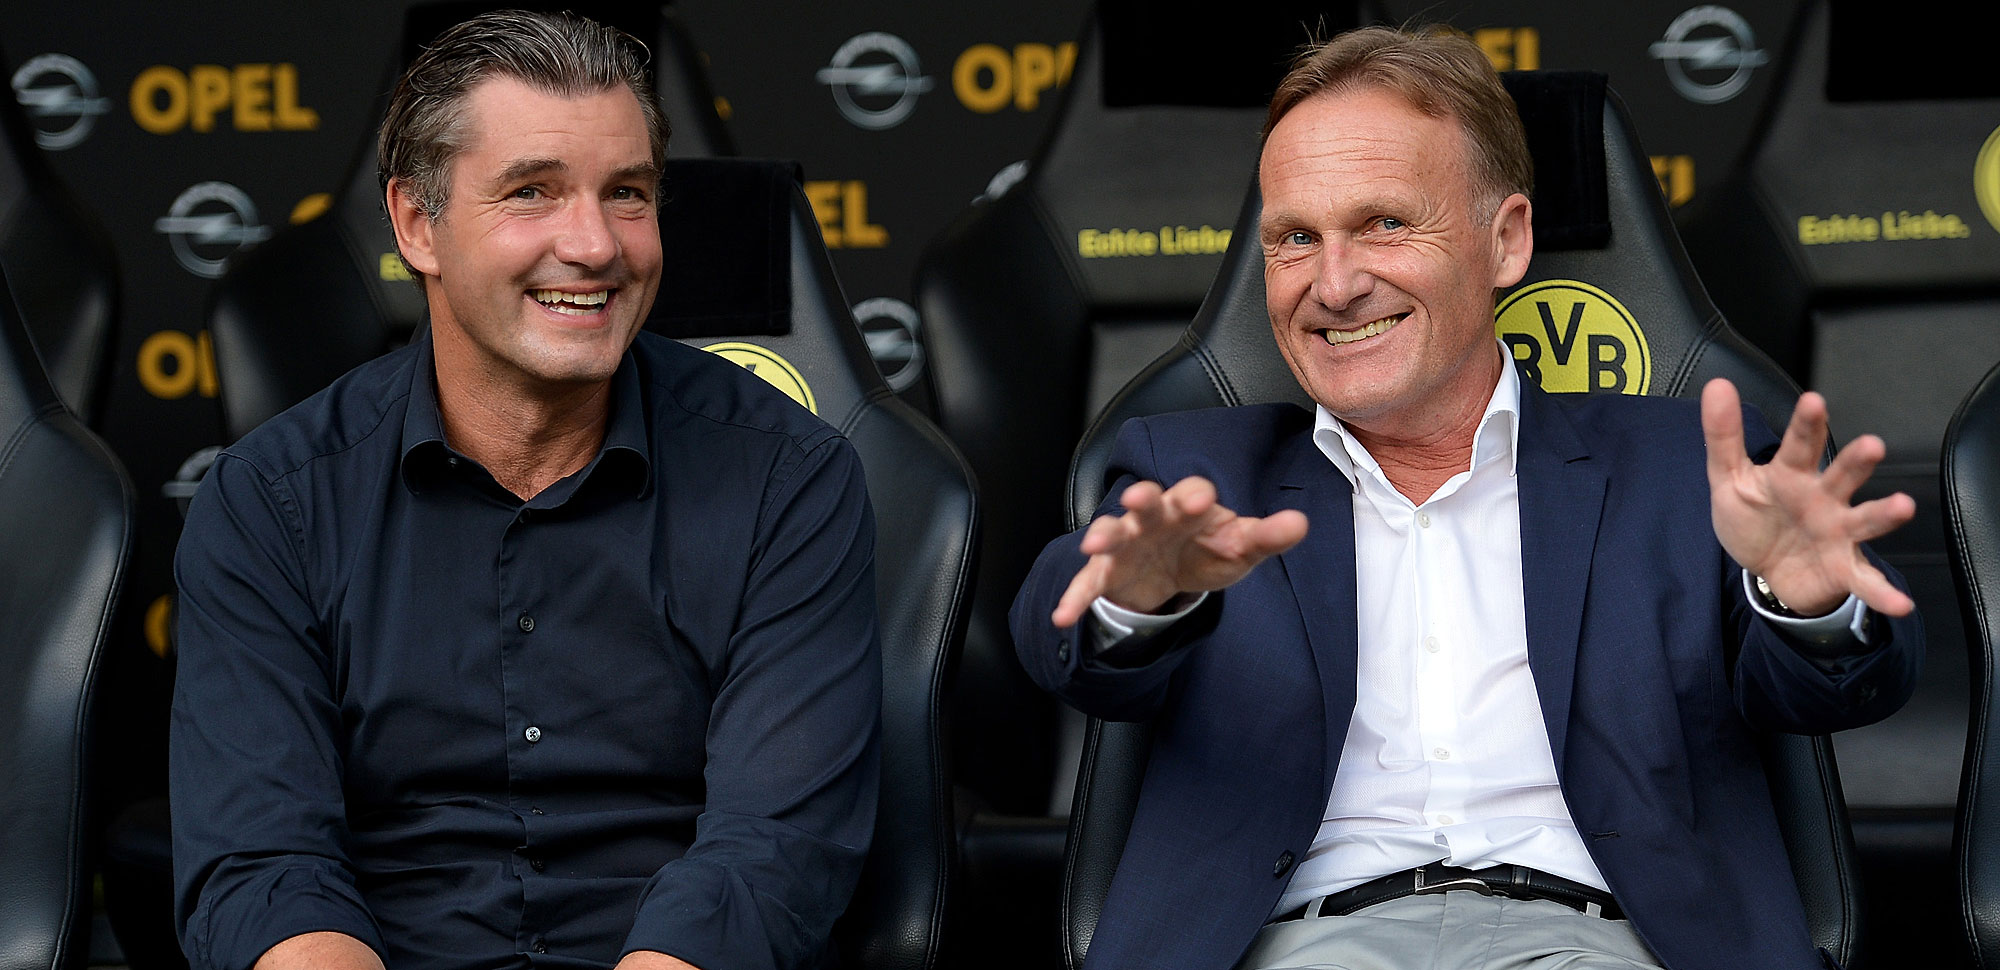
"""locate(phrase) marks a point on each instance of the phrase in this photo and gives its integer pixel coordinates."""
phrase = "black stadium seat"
(67, 526)
(1609, 304)
(64, 272)
(1858, 243)
(1971, 477)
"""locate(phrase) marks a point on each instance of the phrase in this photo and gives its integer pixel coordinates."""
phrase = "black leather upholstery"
(68, 531)
(337, 279)
(1602, 222)
(64, 273)
(1971, 474)
(1894, 328)
(926, 518)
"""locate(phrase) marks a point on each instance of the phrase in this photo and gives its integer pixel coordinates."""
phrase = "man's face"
(1379, 267)
(546, 258)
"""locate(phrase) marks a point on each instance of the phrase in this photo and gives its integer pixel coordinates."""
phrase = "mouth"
(1373, 329)
(572, 304)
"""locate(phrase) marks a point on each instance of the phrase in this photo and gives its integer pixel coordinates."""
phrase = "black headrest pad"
(725, 227)
(1563, 112)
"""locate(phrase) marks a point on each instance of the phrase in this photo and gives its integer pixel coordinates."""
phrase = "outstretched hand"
(1792, 524)
(1171, 542)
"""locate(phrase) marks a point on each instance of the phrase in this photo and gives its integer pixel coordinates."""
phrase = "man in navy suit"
(1499, 709)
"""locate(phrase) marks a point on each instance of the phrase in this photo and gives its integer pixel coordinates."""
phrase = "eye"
(528, 192)
(1389, 223)
(1298, 237)
(628, 193)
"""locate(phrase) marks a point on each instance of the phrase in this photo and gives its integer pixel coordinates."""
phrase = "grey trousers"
(1452, 931)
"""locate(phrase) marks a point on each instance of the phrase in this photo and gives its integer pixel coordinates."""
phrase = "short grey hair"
(559, 54)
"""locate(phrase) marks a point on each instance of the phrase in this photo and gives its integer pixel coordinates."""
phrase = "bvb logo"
(1572, 336)
(1986, 178)
(775, 370)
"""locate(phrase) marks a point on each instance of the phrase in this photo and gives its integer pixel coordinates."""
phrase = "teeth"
(1338, 337)
(576, 303)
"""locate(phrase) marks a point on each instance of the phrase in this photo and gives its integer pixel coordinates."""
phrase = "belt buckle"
(1474, 883)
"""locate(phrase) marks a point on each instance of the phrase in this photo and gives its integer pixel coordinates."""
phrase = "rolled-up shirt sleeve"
(793, 763)
(259, 821)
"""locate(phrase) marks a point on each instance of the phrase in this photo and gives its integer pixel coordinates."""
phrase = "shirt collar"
(1498, 436)
(626, 441)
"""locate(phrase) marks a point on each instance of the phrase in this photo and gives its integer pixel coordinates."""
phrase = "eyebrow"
(526, 168)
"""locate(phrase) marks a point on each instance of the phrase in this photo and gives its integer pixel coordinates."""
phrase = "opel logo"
(60, 97)
(1709, 53)
(875, 79)
(209, 223)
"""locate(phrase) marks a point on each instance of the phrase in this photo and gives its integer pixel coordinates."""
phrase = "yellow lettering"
(159, 625)
(825, 200)
(208, 87)
(1065, 60)
(291, 116)
(173, 364)
(253, 97)
(854, 224)
(987, 59)
(1527, 49)
(1034, 72)
(1676, 175)
(149, 113)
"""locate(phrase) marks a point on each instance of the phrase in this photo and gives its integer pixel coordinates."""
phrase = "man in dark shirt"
(542, 642)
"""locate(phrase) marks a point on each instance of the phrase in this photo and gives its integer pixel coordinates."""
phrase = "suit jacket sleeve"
(1128, 688)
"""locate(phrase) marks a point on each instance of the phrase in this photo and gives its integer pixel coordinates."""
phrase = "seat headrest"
(1563, 113)
(725, 226)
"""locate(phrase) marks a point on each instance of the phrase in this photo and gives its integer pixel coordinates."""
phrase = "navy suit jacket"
(1653, 673)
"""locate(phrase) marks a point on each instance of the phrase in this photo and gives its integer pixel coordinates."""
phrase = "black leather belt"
(1514, 882)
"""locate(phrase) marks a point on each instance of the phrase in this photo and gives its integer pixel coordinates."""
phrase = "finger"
(1275, 533)
(1872, 520)
(1871, 587)
(1722, 429)
(1805, 434)
(1084, 588)
(1191, 497)
(1139, 496)
(1852, 466)
(1106, 533)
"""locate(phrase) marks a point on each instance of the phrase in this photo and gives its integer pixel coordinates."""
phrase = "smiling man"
(1452, 672)
(543, 641)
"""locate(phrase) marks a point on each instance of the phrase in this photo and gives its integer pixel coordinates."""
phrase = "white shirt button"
(1446, 820)
(1442, 754)
(533, 734)
(1432, 644)
(1424, 519)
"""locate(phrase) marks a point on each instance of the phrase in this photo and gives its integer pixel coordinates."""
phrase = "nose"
(1341, 274)
(586, 237)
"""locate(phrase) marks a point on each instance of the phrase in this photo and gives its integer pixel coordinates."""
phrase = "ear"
(413, 228)
(1513, 240)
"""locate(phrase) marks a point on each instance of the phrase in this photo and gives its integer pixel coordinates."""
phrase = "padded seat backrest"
(756, 286)
(318, 298)
(1858, 242)
(1971, 473)
(1040, 303)
(1608, 264)
(64, 272)
(66, 518)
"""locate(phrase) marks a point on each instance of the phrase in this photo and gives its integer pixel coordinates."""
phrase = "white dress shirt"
(1447, 756)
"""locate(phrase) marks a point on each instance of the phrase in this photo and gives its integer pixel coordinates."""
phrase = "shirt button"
(534, 734)
(1432, 644)
(1444, 820)
(1283, 865)
(1424, 519)
(526, 623)
(541, 946)
(1443, 754)
(537, 864)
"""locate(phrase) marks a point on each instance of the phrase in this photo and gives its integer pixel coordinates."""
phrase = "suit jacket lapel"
(1321, 573)
(1562, 498)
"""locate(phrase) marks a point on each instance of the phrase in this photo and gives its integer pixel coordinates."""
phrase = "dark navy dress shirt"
(637, 712)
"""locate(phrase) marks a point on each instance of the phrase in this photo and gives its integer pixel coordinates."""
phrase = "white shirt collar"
(1498, 435)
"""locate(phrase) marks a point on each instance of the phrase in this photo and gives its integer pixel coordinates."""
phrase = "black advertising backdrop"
(195, 130)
